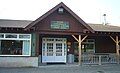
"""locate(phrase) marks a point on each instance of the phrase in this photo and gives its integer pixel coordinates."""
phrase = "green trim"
(33, 44)
(59, 25)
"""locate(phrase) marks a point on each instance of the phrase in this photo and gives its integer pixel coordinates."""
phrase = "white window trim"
(17, 39)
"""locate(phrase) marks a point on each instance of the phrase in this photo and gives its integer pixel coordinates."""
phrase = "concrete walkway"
(65, 69)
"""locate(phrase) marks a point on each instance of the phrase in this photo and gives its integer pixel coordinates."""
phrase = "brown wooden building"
(58, 36)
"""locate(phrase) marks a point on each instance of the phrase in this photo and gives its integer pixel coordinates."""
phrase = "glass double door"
(54, 50)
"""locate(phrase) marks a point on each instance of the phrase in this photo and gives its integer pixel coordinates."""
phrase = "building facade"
(58, 36)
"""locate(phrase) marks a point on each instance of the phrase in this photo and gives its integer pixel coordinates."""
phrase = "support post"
(80, 49)
(117, 46)
(79, 40)
(117, 49)
(113, 39)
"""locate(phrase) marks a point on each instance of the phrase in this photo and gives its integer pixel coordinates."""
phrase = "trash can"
(70, 58)
(39, 60)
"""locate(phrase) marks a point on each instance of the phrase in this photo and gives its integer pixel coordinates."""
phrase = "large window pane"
(24, 36)
(1, 35)
(26, 47)
(15, 44)
(11, 47)
(14, 47)
(10, 36)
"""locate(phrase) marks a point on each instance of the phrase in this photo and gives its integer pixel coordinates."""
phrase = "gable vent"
(60, 10)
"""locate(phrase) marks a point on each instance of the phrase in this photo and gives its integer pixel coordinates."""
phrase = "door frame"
(46, 40)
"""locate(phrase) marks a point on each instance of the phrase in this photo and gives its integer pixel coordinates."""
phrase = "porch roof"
(104, 28)
(14, 23)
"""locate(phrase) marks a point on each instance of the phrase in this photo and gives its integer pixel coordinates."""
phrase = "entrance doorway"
(54, 50)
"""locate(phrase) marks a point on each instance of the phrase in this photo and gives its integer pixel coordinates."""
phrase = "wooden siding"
(103, 44)
(44, 25)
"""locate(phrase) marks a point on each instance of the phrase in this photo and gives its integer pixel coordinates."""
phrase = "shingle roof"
(105, 28)
(24, 23)
(14, 23)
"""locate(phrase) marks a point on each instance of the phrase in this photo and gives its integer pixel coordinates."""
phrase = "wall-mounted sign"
(59, 25)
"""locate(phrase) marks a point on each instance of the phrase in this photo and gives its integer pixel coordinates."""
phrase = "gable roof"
(24, 23)
(104, 28)
(14, 23)
(55, 8)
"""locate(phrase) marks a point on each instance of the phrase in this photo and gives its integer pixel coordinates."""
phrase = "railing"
(99, 58)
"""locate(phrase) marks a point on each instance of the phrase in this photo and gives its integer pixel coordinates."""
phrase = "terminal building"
(58, 36)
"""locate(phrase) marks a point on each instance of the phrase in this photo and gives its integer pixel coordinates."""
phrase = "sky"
(91, 11)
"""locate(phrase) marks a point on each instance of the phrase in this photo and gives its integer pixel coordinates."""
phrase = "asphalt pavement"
(113, 68)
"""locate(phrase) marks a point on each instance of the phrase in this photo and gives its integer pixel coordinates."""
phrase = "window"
(11, 47)
(58, 49)
(26, 46)
(15, 44)
(60, 10)
(88, 46)
(49, 49)
(43, 49)
(59, 39)
(50, 39)
(1, 35)
(24, 36)
(10, 36)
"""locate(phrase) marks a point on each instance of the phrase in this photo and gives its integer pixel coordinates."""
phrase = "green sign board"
(59, 25)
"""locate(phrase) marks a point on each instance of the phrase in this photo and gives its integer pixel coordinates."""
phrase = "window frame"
(21, 39)
(87, 41)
